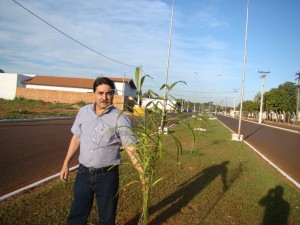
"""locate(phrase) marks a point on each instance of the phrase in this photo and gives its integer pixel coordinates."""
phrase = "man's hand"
(64, 173)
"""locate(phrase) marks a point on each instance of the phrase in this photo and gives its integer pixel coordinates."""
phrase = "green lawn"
(215, 181)
(21, 108)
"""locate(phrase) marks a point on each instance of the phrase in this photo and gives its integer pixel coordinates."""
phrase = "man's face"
(104, 96)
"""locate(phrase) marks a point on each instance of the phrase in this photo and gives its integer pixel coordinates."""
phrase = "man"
(98, 130)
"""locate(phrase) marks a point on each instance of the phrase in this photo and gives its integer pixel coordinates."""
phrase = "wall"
(69, 97)
(57, 88)
(128, 89)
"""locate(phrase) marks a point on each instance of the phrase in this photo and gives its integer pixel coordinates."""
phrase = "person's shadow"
(276, 208)
(173, 203)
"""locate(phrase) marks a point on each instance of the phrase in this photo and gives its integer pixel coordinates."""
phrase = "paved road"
(31, 151)
(279, 146)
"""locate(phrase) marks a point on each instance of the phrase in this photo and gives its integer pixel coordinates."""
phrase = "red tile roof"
(71, 81)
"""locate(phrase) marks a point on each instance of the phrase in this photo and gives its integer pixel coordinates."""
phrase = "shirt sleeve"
(125, 131)
(76, 128)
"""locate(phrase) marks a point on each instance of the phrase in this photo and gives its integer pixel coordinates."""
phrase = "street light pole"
(216, 96)
(235, 91)
(225, 106)
(244, 72)
(167, 72)
(263, 75)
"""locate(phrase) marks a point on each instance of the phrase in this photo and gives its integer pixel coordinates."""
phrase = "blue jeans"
(102, 184)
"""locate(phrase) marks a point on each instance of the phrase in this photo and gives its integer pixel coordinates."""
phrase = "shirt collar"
(107, 110)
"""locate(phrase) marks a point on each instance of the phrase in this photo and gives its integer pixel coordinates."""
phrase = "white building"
(159, 103)
(9, 83)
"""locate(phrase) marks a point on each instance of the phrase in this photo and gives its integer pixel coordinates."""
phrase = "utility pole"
(262, 76)
(235, 91)
(298, 97)
(225, 106)
(216, 96)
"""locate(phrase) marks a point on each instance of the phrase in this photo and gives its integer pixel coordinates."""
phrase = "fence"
(279, 117)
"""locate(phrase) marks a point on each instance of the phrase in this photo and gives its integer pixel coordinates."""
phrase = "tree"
(282, 98)
(249, 105)
(257, 97)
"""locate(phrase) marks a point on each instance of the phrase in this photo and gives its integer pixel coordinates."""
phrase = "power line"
(68, 36)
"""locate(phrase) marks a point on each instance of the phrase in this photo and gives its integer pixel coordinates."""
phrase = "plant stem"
(145, 202)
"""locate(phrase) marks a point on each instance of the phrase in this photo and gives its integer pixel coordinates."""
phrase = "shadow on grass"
(187, 191)
(276, 208)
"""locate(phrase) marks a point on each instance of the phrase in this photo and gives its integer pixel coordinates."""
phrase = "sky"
(86, 39)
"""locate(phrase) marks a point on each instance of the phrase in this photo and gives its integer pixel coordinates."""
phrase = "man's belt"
(99, 170)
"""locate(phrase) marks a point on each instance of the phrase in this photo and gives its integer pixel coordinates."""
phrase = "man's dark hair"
(104, 80)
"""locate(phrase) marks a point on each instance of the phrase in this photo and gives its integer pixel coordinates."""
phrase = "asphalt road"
(31, 151)
(281, 147)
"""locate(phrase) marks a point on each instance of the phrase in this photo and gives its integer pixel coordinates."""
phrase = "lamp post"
(167, 71)
(262, 76)
(244, 72)
(235, 91)
(225, 106)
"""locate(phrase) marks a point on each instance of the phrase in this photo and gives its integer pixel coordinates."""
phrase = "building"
(62, 89)
(150, 103)
(9, 82)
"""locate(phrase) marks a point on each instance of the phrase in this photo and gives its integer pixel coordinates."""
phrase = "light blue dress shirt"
(101, 136)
